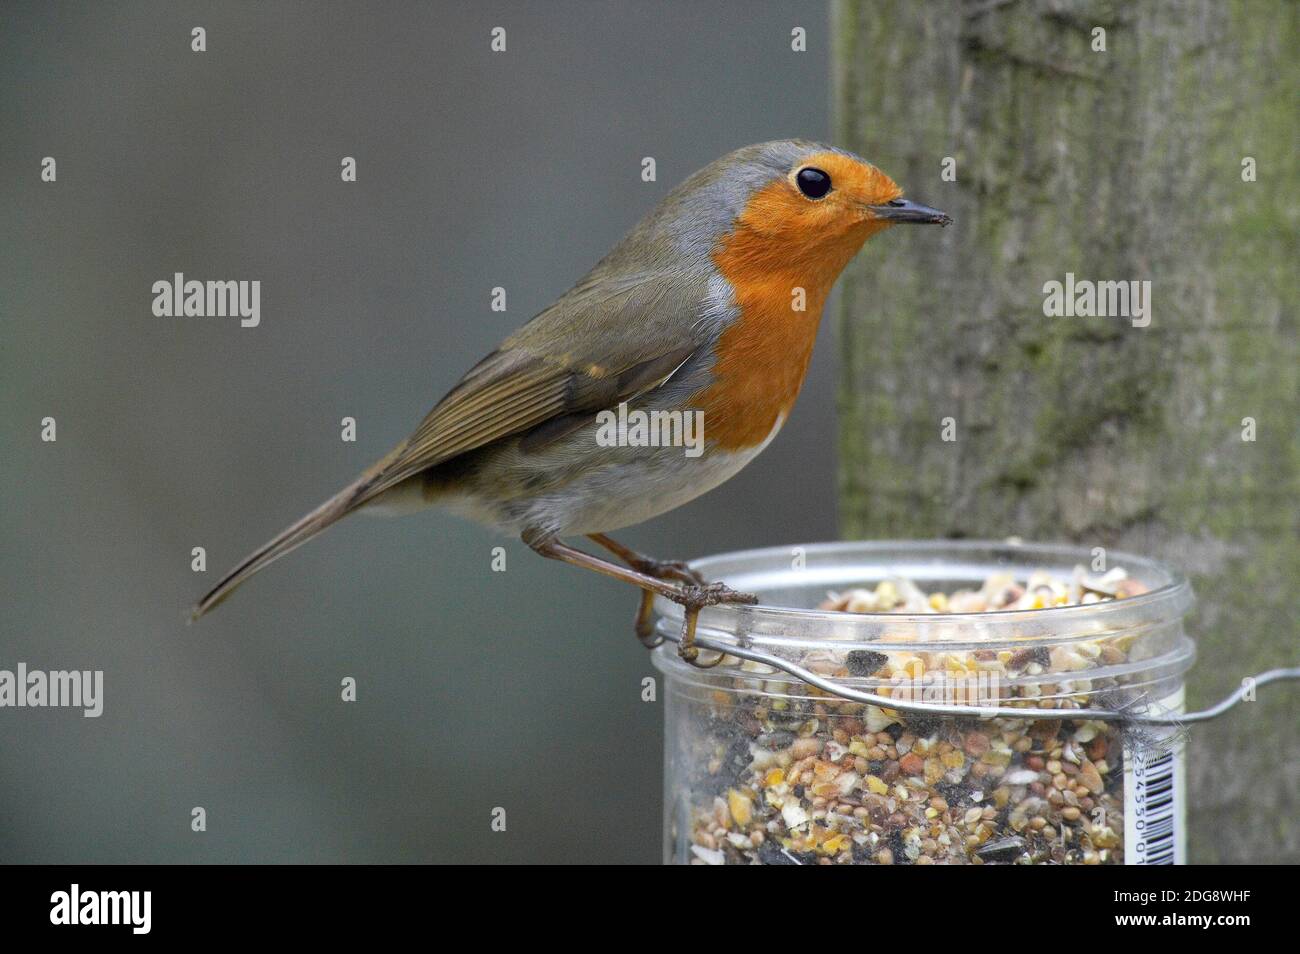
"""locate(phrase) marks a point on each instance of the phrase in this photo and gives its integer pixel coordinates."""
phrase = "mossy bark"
(1118, 165)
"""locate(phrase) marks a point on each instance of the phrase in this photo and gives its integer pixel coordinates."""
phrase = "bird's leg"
(692, 597)
(643, 625)
(677, 570)
(659, 569)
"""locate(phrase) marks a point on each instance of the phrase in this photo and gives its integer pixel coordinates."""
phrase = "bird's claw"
(711, 594)
(645, 624)
(693, 599)
(677, 570)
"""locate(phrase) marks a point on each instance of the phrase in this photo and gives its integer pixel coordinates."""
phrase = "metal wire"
(742, 651)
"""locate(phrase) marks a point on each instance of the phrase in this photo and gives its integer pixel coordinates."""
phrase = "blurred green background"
(476, 689)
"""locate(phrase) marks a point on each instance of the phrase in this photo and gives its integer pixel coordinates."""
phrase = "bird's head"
(791, 203)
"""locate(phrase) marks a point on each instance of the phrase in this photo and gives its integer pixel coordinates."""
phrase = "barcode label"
(1154, 787)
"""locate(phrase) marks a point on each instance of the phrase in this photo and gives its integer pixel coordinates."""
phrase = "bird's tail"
(331, 511)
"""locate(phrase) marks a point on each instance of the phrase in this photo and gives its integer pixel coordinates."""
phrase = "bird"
(707, 309)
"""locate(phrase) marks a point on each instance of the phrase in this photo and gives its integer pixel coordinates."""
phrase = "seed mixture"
(821, 780)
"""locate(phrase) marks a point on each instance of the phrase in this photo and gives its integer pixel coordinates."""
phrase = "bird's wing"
(609, 339)
(602, 343)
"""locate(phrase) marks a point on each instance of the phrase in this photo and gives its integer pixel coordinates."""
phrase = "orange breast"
(763, 355)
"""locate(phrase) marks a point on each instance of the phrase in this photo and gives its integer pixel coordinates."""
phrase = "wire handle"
(743, 651)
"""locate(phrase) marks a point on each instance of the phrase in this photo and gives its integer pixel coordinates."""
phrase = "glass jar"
(763, 768)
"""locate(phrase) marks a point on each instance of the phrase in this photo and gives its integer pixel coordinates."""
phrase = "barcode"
(1155, 791)
(1154, 794)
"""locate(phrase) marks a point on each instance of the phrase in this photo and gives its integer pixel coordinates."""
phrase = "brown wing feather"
(524, 394)
(604, 341)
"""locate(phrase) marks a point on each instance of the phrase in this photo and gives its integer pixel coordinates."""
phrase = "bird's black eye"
(813, 182)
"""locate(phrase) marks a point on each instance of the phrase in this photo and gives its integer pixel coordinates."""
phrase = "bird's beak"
(905, 210)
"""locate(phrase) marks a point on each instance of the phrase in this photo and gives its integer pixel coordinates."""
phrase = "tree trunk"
(1124, 165)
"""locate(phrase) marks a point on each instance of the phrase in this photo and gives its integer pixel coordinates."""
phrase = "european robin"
(707, 310)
